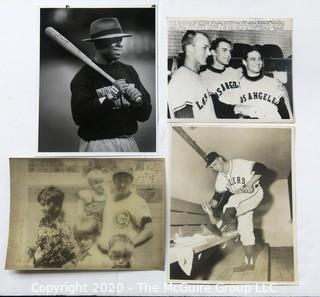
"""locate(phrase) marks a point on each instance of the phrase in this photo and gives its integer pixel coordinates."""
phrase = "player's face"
(222, 54)
(217, 165)
(200, 49)
(254, 63)
(110, 48)
(122, 184)
(85, 242)
(120, 253)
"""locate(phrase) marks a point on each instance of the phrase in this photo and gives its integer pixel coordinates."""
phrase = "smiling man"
(222, 81)
(126, 212)
(188, 97)
(106, 113)
(261, 97)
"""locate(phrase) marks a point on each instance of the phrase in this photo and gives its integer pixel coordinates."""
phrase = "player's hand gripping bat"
(66, 44)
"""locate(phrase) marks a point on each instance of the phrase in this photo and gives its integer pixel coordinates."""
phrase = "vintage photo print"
(232, 215)
(97, 80)
(230, 70)
(86, 214)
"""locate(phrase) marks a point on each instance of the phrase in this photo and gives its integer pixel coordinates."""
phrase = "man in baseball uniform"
(188, 98)
(126, 212)
(240, 178)
(261, 97)
(107, 114)
(222, 81)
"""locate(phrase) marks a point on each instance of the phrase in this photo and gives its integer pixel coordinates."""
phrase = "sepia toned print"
(230, 69)
(86, 214)
(233, 221)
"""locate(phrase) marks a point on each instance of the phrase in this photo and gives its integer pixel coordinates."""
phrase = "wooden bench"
(186, 220)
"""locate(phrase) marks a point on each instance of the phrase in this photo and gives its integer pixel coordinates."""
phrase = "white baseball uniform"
(124, 216)
(260, 98)
(240, 172)
(186, 88)
(223, 85)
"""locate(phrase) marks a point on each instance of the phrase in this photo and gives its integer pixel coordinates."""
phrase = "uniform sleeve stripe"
(182, 106)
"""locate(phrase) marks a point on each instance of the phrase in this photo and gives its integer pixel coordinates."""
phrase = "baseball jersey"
(222, 85)
(240, 172)
(124, 216)
(99, 118)
(262, 98)
(186, 88)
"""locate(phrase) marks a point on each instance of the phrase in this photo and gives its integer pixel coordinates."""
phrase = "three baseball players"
(243, 93)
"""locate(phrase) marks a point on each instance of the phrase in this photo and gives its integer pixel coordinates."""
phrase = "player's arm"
(145, 234)
(223, 110)
(259, 169)
(214, 207)
(180, 103)
(185, 112)
(85, 106)
(283, 109)
(140, 111)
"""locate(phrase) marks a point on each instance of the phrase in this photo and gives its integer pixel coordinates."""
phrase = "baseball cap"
(119, 171)
(211, 157)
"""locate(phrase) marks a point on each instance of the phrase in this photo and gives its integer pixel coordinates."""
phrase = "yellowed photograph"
(97, 214)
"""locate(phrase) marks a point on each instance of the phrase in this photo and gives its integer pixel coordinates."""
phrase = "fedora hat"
(105, 28)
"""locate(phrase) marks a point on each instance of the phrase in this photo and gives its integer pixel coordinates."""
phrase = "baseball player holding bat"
(107, 111)
(238, 180)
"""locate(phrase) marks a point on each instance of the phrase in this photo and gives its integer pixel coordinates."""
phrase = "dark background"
(57, 131)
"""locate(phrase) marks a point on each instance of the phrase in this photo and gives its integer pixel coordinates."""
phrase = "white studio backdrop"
(19, 89)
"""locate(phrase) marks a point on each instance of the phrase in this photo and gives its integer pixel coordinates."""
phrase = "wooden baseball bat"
(66, 44)
(191, 142)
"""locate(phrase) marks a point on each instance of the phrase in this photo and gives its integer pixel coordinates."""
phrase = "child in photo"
(53, 247)
(86, 231)
(92, 200)
(120, 249)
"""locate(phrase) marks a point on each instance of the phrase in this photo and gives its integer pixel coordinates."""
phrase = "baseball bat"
(66, 44)
(71, 48)
(191, 142)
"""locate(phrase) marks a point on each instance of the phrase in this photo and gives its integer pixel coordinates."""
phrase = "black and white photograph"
(237, 70)
(232, 205)
(86, 214)
(97, 80)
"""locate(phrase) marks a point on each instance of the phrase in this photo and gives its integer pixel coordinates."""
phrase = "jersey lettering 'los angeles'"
(240, 172)
(222, 85)
(262, 97)
(186, 88)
